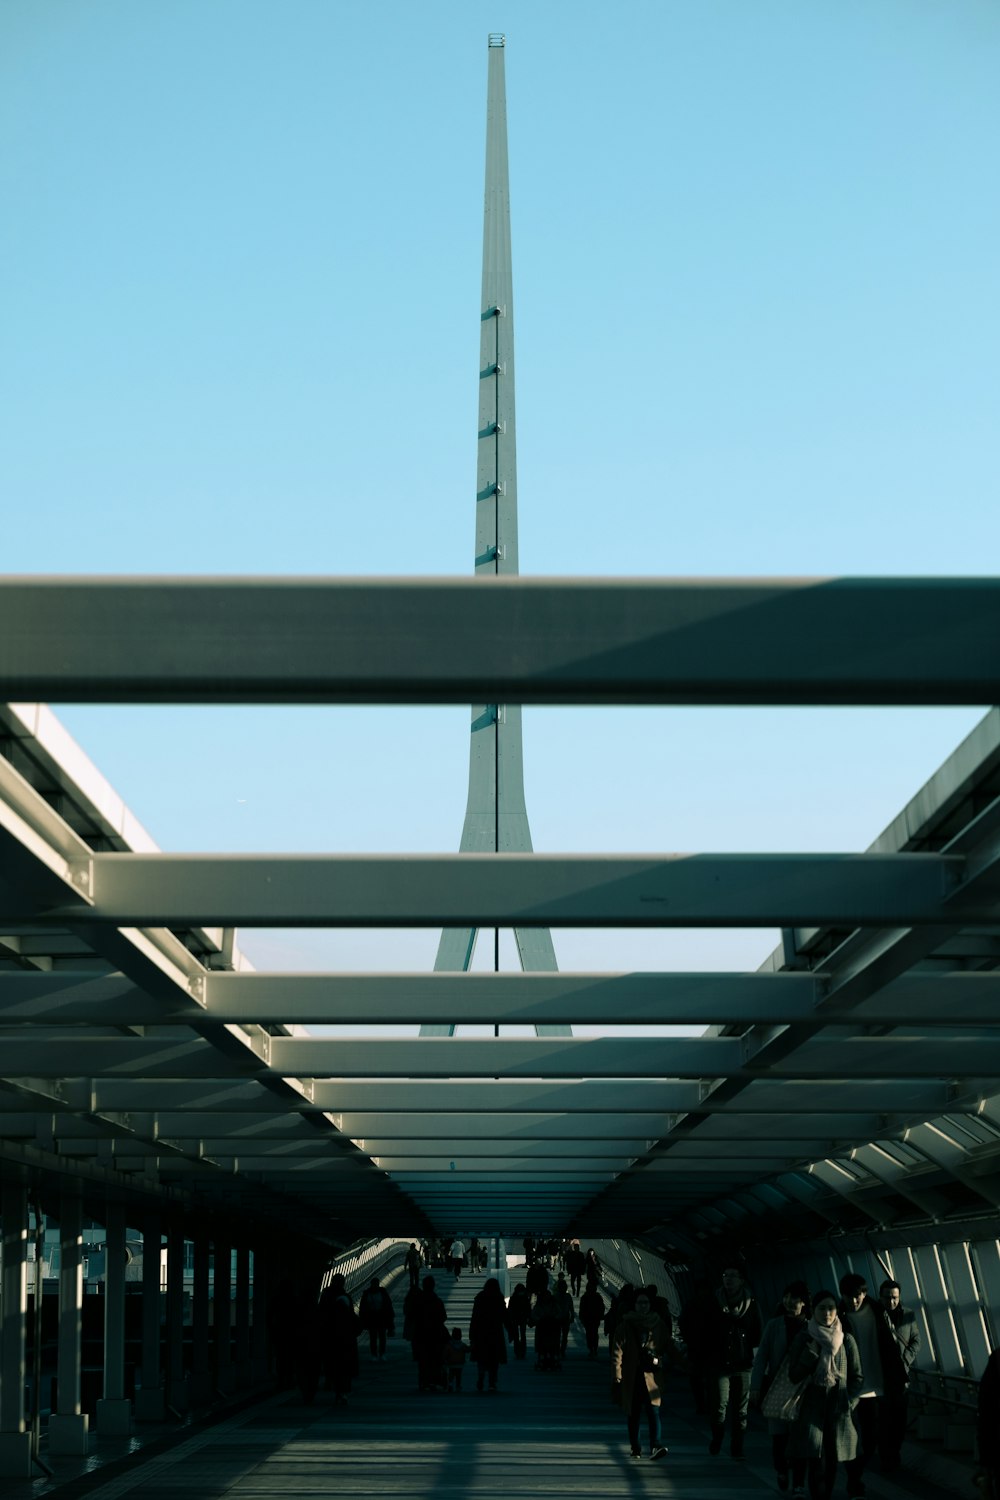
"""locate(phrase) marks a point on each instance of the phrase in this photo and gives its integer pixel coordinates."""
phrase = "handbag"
(783, 1395)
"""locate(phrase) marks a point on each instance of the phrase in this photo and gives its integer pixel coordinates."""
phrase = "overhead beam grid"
(141, 1053)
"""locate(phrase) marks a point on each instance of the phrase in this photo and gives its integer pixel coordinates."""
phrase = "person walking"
(640, 1345)
(455, 1351)
(823, 1431)
(892, 1418)
(518, 1314)
(413, 1262)
(488, 1333)
(576, 1265)
(591, 1316)
(457, 1253)
(884, 1374)
(339, 1327)
(545, 1321)
(377, 1317)
(567, 1312)
(429, 1336)
(592, 1266)
(778, 1336)
(988, 1423)
(731, 1333)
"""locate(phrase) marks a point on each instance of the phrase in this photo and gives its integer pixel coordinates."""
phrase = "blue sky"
(756, 297)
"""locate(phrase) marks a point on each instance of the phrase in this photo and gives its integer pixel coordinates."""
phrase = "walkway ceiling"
(141, 1054)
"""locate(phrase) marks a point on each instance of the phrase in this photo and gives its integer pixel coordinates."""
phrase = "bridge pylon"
(496, 818)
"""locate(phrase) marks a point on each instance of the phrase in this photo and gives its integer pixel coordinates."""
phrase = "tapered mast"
(496, 819)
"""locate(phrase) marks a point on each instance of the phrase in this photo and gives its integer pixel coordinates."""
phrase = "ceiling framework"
(853, 1080)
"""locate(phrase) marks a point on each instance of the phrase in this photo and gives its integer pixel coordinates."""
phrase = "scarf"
(830, 1341)
(734, 1309)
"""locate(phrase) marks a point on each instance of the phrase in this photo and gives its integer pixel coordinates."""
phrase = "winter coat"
(632, 1335)
(339, 1327)
(428, 1331)
(376, 1311)
(728, 1335)
(989, 1413)
(776, 1340)
(903, 1323)
(824, 1415)
(890, 1358)
(518, 1309)
(564, 1303)
(591, 1307)
(488, 1330)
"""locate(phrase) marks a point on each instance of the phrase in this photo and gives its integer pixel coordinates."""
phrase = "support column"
(223, 1314)
(15, 1439)
(201, 1372)
(259, 1351)
(177, 1390)
(242, 1348)
(114, 1412)
(68, 1426)
(149, 1399)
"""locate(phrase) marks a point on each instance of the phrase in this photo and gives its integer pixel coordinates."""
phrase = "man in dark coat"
(884, 1376)
(892, 1417)
(376, 1313)
(729, 1333)
(428, 1336)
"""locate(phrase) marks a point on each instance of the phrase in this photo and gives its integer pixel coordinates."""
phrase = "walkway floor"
(542, 1435)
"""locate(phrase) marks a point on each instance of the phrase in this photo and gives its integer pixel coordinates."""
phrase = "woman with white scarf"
(827, 1359)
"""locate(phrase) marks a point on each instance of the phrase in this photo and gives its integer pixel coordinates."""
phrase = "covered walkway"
(543, 1434)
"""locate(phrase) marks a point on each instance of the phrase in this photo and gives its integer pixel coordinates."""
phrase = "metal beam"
(522, 890)
(966, 998)
(514, 640)
(825, 1058)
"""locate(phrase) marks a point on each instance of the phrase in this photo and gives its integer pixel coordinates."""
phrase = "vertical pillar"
(242, 1345)
(259, 1351)
(15, 1440)
(223, 1314)
(177, 1391)
(149, 1401)
(114, 1412)
(201, 1374)
(68, 1425)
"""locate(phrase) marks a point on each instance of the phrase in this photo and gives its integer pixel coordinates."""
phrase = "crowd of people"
(827, 1371)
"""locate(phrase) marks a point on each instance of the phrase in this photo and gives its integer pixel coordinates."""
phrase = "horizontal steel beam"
(523, 890)
(629, 1057)
(510, 1125)
(510, 640)
(580, 1058)
(965, 998)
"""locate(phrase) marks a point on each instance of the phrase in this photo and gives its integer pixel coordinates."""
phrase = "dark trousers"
(487, 1371)
(782, 1463)
(822, 1476)
(593, 1332)
(891, 1426)
(376, 1340)
(641, 1403)
(520, 1340)
(727, 1396)
(866, 1421)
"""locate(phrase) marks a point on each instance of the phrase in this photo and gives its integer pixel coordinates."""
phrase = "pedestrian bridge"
(840, 1107)
(544, 1434)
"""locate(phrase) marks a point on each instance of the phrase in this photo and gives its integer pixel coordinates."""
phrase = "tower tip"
(496, 39)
